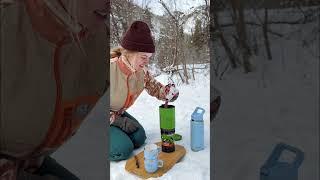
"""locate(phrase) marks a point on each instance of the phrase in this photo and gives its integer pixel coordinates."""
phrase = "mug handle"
(159, 149)
(160, 163)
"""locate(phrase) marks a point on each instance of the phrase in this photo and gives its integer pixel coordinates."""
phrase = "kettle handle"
(199, 108)
(274, 157)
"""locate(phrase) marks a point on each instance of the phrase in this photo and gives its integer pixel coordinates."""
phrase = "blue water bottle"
(197, 130)
(274, 169)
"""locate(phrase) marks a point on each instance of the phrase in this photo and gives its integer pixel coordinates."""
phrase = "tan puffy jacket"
(126, 85)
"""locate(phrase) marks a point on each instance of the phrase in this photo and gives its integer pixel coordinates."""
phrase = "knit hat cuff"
(135, 46)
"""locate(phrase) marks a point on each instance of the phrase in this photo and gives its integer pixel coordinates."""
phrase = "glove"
(172, 92)
(126, 124)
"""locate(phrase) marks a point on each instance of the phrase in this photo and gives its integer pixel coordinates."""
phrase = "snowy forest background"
(265, 66)
(181, 36)
(246, 29)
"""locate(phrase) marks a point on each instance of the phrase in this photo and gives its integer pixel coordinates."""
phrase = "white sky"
(181, 5)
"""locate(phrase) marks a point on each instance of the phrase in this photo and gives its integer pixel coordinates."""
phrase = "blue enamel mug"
(151, 160)
(151, 151)
(152, 165)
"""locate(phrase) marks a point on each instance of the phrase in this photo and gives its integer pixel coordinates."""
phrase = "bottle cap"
(197, 114)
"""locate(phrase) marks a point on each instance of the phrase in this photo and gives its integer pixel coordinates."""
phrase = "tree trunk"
(265, 34)
(176, 45)
(243, 39)
(183, 60)
(193, 70)
(182, 79)
(241, 31)
(215, 26)
(185, 72)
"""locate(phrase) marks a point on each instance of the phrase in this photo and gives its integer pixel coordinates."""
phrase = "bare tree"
(265, 34)
(121, 16)
(178, 20)
(238, 12)
(218, 32)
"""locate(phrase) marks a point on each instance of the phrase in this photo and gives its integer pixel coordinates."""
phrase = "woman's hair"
(118, 51)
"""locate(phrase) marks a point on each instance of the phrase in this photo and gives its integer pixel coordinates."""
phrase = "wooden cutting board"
(169, 160)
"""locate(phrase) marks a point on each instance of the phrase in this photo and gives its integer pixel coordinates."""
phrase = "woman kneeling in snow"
(128, 78)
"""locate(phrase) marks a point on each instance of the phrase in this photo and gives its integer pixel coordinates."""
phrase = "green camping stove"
(167, 127)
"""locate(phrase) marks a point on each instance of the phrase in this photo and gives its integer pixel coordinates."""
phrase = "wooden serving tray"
(169, 160)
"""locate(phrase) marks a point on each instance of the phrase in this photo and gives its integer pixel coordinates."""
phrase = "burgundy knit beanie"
(138, 38)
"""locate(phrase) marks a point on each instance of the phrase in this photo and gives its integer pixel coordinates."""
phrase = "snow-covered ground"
(195, 165)
(85, 154)
(278, 102)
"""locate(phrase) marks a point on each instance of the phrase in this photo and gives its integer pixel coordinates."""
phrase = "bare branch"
(174, 70)
(253, 24)
(167, 9)
(225, 69)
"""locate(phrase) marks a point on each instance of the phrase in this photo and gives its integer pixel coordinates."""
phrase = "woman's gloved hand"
(126, 124)
(172, 92)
